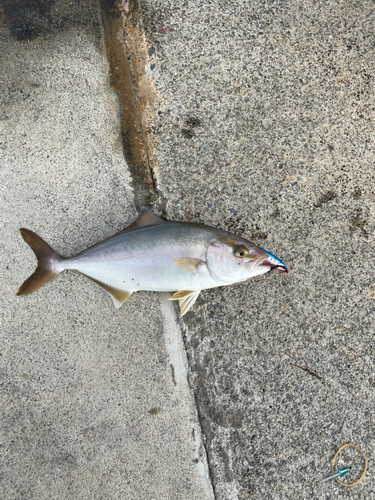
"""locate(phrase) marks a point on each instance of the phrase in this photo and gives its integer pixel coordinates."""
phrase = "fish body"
(147, 259)
(156, 255)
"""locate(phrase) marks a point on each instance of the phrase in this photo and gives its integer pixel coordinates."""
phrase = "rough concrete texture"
(94, 402)
(265, 128)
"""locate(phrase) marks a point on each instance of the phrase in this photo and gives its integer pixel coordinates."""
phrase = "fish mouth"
(280, 268)
(274, 262)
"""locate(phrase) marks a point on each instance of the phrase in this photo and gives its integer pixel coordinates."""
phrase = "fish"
(156, 255)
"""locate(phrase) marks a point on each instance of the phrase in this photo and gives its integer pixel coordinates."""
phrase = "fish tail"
(48, 263)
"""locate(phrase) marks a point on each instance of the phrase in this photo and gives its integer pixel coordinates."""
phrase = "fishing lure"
(338, 473)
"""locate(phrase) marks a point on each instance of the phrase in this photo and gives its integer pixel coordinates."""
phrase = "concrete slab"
(265, 128)
(95, 402)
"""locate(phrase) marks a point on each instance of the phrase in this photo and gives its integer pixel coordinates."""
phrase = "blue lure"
(275, 262)
(338, 473)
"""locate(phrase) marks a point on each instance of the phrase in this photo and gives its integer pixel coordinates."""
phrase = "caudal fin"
(47, 260)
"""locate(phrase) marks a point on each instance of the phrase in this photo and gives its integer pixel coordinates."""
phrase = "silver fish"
(153, 254)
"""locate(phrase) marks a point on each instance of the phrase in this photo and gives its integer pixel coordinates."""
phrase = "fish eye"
(240, 252)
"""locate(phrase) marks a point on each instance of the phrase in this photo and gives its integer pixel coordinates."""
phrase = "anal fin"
(118, 296)
(186, 299)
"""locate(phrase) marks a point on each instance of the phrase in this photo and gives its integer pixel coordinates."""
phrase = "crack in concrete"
(178, 359)
(209, 410)
(127, 54)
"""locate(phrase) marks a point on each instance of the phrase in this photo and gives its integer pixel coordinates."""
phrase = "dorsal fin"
(145, 218)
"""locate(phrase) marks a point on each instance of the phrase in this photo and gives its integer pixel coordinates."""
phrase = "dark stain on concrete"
(237, 418)
(187, 133)
(29, 19)
(127, 54)
(356, 194)
(358, 223)
(154, 411)
(192, 122)
(173, 374)
(276, 213)
(325, 198)
(110, 9)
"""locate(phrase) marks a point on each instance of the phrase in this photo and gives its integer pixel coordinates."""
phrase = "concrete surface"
(259, 120)
(266, 128)
(95, 402)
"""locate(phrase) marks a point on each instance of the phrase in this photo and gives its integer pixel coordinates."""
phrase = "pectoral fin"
(188, 264)
(186, 299)
(118, 296)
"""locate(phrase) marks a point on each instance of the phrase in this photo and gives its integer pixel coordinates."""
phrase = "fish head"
(232, 259)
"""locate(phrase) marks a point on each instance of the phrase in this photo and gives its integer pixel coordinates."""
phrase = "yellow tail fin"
(47, 260)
